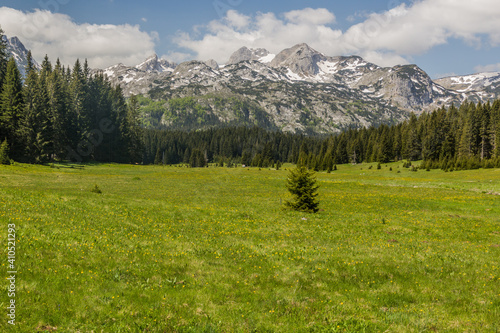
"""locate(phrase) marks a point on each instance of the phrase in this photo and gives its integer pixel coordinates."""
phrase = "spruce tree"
(302, 184)
(134, 130)
(4, 153)
(59, 107)
(28, 121)
(4, 58)
(43, 125)
(11, 103)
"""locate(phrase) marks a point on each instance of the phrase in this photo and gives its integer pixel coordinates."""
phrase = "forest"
(466, 137)
(57, 113)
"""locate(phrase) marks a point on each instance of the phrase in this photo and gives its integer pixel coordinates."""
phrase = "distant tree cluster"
(455, 138)
(61, 114)
(251, 146)
(467, 137)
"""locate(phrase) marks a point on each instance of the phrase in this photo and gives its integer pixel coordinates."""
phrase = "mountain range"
(297, 90)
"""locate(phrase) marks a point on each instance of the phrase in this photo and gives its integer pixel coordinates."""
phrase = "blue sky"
(443, 37)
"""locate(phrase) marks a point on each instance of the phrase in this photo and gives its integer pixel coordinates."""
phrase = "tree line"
(464, 137)
(57, 113)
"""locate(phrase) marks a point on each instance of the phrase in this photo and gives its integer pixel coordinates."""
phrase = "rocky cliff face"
(17, 50)
(155, 65)
(246, 54)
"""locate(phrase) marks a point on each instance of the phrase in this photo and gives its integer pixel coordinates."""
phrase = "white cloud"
(387, 38)
(488, 68)
(310, 16)
(237, 20)
(59, 37)
(426, 24)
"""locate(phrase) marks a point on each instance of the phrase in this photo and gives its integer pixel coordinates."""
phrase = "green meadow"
(175, 249)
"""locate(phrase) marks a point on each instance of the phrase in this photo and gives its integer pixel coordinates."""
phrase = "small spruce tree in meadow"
(4, 153)
(302, 184)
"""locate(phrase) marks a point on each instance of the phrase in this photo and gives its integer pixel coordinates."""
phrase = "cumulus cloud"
(58, 36)
(310, 16)
(387, 38)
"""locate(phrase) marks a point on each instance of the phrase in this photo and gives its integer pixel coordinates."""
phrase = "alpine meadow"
(282, 190)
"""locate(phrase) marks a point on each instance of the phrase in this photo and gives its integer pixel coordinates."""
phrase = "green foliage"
(96, 189)
(197, 159)
(302, 184)
(60, 114)
(4, 153)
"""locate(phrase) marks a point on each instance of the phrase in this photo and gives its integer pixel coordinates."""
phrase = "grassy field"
(172, 249)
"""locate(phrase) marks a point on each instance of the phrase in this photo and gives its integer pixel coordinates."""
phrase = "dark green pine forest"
(466, 137)
(59, 113)
(72, 114)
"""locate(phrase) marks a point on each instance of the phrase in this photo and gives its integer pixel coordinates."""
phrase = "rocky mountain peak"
(155, 64)
(300, 59)
(212, 64)
(246, 54)
(17, 50)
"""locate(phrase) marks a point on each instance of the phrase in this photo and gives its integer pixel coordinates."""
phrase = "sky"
(443, 37)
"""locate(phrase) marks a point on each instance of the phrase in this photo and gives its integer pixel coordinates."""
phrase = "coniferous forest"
(71, 114)
(60, 113)
(460, 138)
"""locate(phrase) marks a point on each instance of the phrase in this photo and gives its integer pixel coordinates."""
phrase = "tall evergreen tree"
(4, 58)
(11, 103)
(59, 106)
(28, 121)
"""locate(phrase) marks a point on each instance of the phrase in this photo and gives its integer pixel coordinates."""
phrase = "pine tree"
(413, 149)
(59, 106)
(28, 121)
(302, 184)
(4, 58)
(43, 126)
(78, 85)
(4, 153)
(134, 130)
(11, 103)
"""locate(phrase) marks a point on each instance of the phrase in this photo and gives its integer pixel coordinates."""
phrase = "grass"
(172, 249)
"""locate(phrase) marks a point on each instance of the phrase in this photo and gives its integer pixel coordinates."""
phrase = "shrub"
(4, 153)
(96, 189)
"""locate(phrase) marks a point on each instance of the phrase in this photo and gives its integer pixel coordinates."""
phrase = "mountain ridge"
(297, 90)
(301, 89)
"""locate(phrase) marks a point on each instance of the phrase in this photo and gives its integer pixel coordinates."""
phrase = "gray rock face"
(154, 64)
(246, 54)
(212, 64)
(485, 84)
(300, 59)
(17, 50)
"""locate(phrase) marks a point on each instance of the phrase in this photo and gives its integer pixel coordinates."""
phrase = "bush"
(302, 184)
(96, 189)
